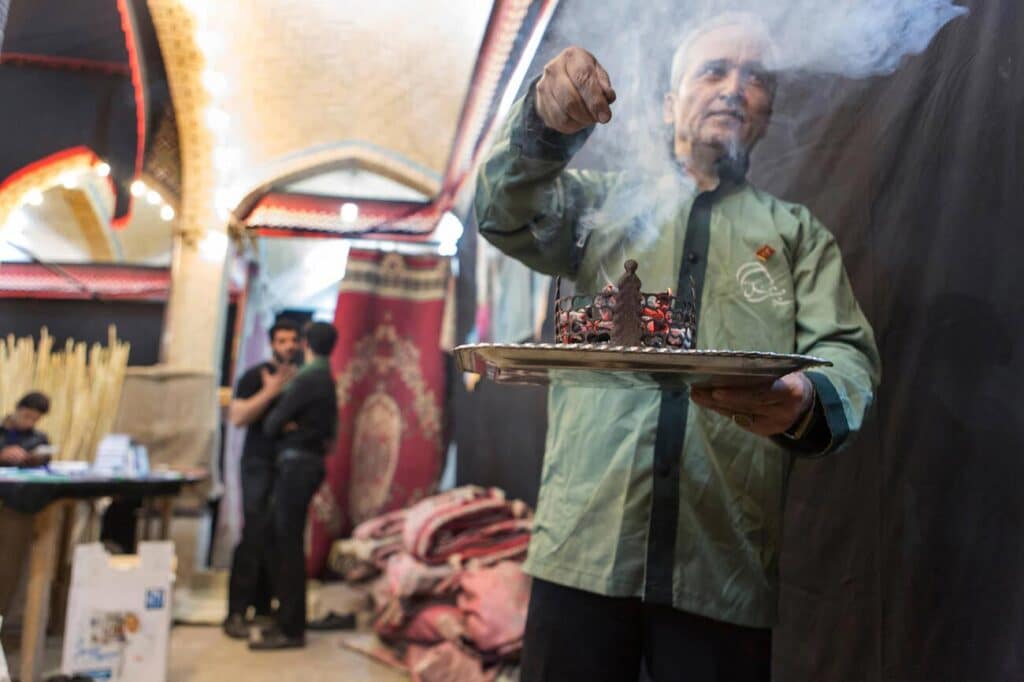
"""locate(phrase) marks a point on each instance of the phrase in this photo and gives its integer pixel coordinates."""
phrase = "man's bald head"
(750, 26)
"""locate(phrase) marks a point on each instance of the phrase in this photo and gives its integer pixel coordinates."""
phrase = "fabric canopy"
(85, 74)
(71, 282)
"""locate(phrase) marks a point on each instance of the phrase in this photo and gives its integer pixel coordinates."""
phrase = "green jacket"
(644, 494)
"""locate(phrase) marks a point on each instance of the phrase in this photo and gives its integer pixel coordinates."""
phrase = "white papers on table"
(117, 455)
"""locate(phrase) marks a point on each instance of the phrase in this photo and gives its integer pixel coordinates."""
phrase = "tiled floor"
(204, 654)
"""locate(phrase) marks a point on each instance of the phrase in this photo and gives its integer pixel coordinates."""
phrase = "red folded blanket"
(494, 602)
(447, 662)
(407, 577)
(470, 522)
(373, 542)
(428, 624)
(454, 597)
(383, 526)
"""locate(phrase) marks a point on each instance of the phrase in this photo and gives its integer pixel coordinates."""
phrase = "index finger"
(606, 84)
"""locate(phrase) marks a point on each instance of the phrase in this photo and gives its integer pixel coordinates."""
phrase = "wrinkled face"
(723, 100)
(285, 345)
(25, 418)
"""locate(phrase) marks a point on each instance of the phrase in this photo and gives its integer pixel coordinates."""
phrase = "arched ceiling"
(390, 76)
(385, 101)
(266, 92)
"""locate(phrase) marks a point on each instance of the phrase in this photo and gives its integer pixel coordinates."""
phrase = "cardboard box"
(119, 613)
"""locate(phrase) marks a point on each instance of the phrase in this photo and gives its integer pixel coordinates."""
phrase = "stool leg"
(166, 507)
(145, 513)
(62, 570)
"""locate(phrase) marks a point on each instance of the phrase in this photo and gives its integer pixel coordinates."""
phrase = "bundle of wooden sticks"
(83, 384)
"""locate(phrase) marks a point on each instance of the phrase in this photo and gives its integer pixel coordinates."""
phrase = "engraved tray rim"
(637, 366)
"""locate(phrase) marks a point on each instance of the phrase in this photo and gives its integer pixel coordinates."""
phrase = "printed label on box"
(154, 599)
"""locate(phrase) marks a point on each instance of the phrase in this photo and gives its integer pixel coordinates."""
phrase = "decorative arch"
(94, 226)
(42, 175)
(175, 27)
(322, 159)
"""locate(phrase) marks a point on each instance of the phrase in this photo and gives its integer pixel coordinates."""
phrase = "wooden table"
(52, 501)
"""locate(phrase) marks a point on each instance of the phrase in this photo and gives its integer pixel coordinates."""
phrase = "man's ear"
(668, 106)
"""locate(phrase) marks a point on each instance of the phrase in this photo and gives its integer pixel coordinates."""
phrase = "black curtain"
(902, 558)
(498, 430)
(140, 323)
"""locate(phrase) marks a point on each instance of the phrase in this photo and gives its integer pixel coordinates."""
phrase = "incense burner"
(623, 315)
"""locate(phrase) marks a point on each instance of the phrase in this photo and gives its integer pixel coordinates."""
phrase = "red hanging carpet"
(390, 375)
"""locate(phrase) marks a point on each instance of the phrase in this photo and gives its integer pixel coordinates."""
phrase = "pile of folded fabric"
(451, 602)
(366, 553)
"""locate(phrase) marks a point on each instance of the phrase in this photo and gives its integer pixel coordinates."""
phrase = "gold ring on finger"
(744, 421)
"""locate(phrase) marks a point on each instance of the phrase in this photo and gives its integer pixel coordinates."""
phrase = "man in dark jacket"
(303, 424)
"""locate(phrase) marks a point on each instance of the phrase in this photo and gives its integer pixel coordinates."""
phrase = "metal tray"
(619, 367)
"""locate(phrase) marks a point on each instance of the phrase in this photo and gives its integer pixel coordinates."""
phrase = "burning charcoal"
(662, 320)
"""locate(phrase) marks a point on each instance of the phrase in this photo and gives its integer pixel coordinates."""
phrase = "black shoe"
(236, 627)
(273, 639)
(261, 620)
(333, 621)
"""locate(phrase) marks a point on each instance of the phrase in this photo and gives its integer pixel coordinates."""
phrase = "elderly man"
(658, 528)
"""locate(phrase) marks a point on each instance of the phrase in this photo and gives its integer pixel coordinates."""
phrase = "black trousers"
(250, 581)
(120, 522)
(299, 475)
(572, 635)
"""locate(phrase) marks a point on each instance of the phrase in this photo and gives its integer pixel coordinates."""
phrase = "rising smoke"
(823, 41)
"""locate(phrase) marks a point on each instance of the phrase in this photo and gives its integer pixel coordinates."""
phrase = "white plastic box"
(119, 613)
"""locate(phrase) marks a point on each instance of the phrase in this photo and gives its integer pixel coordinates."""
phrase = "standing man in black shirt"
(257, 391)
(303, 424)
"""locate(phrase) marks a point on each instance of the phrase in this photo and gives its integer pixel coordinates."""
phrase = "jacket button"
(693, 257)
(662, 469)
